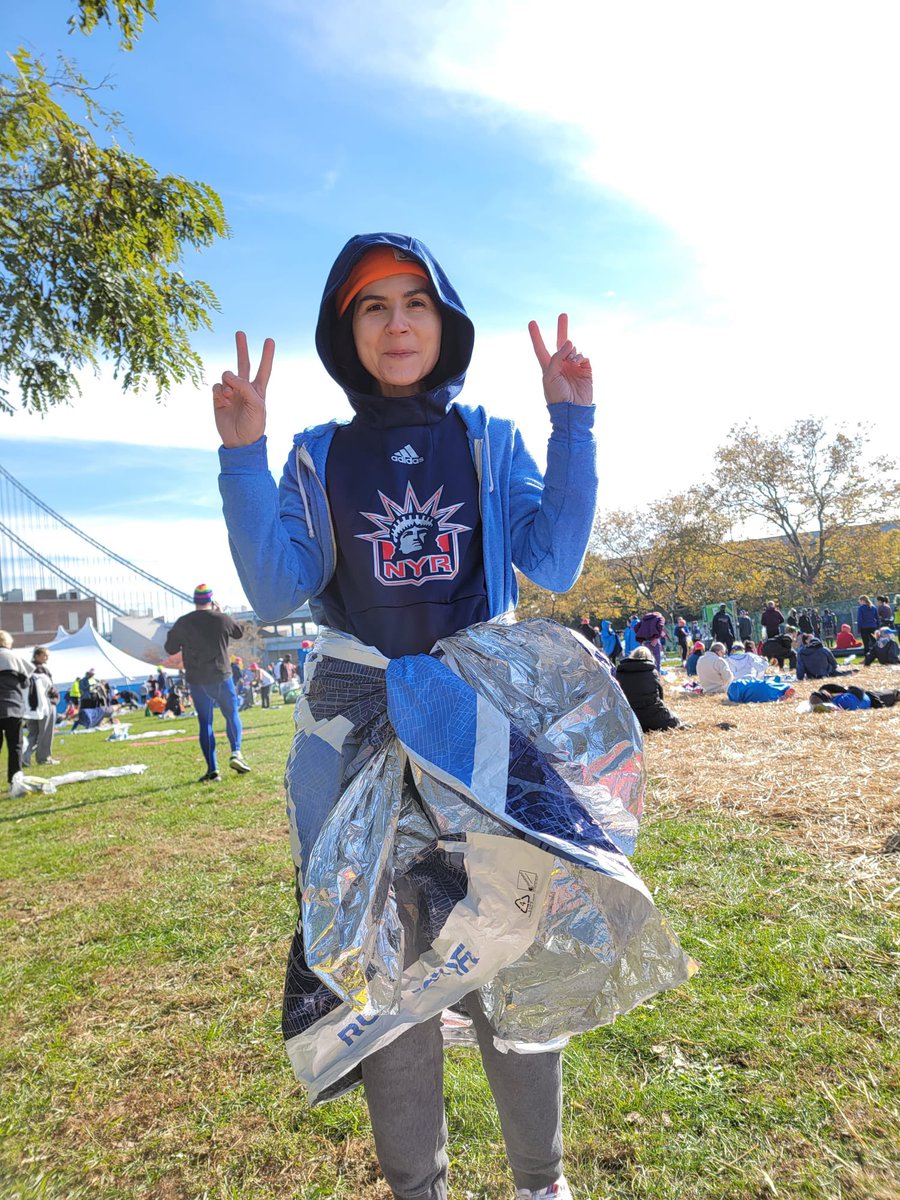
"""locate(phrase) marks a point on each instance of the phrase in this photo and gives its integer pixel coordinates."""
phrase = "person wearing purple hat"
(202, 638)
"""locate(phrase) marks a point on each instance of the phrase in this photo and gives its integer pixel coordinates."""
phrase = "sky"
(709, 190)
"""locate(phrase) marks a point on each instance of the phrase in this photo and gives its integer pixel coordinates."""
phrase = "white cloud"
(761, 134)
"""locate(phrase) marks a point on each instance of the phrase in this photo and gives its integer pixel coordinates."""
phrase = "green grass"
(145, 924)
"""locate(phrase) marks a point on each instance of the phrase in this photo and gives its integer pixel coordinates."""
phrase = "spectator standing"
(713, 671)
(650, 632)
(609, 642)
(15, 673)
(829, 626)
(41, 720)
(202, 637)
(302, 656)
(394, 334)
(723, 628)
(588, 632)
(682, 636)
(264, 681)
(885, 611)
(804, 621)
(771, 618)
(745, 625)
(286, 669)
(88, 689)
(866, 621)
(816, 621)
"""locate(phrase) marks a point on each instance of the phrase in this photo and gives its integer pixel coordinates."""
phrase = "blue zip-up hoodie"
(282, 540)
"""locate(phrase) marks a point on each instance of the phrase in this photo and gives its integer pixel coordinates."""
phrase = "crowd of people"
(724, 660)
(31, 707)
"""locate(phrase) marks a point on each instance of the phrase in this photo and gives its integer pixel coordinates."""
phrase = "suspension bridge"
(41, 550)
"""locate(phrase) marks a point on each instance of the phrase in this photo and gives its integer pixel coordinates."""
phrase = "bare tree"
(811, 486)
(664, 551)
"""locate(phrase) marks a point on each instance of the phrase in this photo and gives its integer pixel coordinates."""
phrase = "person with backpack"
(650, 631)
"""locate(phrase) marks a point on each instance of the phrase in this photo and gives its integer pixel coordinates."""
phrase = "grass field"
(145, 923)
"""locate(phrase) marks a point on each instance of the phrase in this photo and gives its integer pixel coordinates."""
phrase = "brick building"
(35, 622)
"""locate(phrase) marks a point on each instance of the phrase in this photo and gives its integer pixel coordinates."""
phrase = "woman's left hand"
(568, 378)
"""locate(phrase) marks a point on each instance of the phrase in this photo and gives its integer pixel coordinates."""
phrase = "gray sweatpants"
(404, 1085)
(404, 1092)
(40, 738)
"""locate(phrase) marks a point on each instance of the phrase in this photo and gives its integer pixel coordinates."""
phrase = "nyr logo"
(414, 542)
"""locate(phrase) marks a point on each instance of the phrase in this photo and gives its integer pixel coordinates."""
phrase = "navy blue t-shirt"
(404, 504)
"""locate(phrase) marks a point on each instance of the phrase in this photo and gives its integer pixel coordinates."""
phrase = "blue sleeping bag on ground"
(756, 691)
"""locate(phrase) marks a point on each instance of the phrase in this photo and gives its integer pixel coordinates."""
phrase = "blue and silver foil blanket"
(461, 822)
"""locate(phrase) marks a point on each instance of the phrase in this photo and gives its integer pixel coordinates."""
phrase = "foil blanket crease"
(461, 822)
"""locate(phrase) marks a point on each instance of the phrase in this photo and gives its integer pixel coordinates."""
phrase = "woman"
(42, 720)
(682, 634)
(402, 527)
(14, 676)
(867, 622)
(643, 690)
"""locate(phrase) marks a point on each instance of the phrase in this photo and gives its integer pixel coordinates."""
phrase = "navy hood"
(334, 335)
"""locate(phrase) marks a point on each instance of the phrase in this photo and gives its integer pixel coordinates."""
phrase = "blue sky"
(705, 190)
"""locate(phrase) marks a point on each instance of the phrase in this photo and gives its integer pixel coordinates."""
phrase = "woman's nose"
(397, 319)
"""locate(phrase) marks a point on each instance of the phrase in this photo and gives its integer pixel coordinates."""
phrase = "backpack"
(649, 626)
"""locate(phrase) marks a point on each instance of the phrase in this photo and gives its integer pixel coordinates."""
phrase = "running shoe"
(236, 762)
(556, 1191)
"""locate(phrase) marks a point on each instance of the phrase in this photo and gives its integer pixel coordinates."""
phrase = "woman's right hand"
(238, 401)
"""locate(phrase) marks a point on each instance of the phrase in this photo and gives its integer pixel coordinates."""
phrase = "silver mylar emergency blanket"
(461, 822)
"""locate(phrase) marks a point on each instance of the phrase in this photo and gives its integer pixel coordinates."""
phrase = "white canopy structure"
(73, 654)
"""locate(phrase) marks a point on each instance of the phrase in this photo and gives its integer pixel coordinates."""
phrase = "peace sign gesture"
(238, 401)
(568, 378)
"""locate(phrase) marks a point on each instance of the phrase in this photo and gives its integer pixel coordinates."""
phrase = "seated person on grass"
(883, 650)
(643, 690)
(713, 671)
(815, 661)
(690, 663)
(745, 663)
(845, 644)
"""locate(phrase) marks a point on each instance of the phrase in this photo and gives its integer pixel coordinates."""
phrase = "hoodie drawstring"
(302, 490)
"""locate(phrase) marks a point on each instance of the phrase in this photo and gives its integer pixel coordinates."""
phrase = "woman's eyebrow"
(416, 291)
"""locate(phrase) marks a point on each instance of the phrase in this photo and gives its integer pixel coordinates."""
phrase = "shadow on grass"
(87, 803)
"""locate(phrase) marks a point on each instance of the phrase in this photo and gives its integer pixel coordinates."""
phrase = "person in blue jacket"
(401, 527)
(867, 622)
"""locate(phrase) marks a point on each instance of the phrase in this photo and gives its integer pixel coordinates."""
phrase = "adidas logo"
(407, 455)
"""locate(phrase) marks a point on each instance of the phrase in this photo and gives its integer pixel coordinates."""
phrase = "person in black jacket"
(883, 650)
(779, 648)
(643, 690)
(14, 675)
(723, 628)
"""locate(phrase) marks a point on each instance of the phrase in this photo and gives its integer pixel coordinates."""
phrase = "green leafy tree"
(127, 14)
(809, 486)
(92, 238)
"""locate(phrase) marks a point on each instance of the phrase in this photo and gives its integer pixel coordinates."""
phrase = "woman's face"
(397, 333)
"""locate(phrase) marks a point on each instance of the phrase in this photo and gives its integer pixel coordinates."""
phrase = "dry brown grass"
(828, 782)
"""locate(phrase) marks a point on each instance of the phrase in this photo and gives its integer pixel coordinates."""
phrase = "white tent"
(72, 654)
